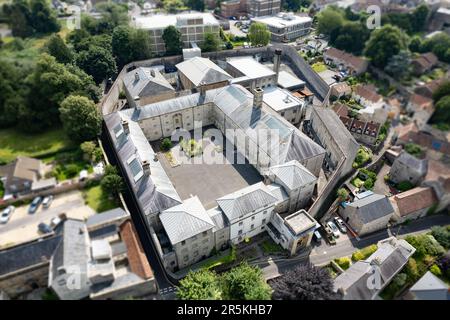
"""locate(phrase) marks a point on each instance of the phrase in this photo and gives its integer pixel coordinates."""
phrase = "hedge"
(364, 253)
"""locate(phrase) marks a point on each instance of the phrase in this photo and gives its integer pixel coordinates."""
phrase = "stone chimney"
(146, 167)
(136, 76)
(277, 62)
(152, 73)
(126, 127)
(258, 97)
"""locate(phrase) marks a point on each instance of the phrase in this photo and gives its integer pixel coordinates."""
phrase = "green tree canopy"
(442, 113)
(259, 34)
(442, 91)
(200, 285)
(97, 62)
(398, 65)
(173, 6)
(80, 118)
(352, 37)
(172, 40)
(111, 184)
(211, 42)
(56, 47)
(385, 43)
(129, 44)
(329, 21)
(197, 5)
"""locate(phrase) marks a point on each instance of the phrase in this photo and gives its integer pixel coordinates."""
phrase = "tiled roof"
(353, 61)
(420, 165)
(372, 207)
(413, 200)
(367, 92)
(421, 102)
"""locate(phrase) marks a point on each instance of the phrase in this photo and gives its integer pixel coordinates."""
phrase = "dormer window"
(135, 167)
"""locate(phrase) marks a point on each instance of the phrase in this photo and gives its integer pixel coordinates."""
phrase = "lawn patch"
(97, 200)
(319, 67)
(269, 247)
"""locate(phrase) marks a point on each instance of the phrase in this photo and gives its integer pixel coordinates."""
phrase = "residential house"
(367, 214)
(365, 279)
(248, 211)
(438, 178)
(201, 73)
(106, 263)
(344, 61)
(427, 89)
(340, 89)
(408, 168)
(374, 107)
(413, 204)
(341, 110)
(430, 287)
(190, 231)
(363, 131)
(430, 139)
(146, 85)
(421, 108)
(25, 175)
(424, 63)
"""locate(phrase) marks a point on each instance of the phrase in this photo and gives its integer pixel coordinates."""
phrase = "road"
(323, 254)
(165, 284)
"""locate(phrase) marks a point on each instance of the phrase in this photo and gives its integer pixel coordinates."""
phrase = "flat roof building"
(286, 27)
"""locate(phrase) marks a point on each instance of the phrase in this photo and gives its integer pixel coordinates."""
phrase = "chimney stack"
(277, 62)
(126, 127)
(152, 73)
(136, 76)
(258, 97)
(146, 167)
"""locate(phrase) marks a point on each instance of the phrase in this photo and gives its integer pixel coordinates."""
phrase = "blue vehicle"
(35, 205)
(44, 228)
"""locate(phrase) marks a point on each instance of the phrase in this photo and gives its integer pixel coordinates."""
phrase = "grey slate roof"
(27, 255)
(292, 174)
(372, 207)
(419, 165)
(105, 217)
(155, 192)
(388, 260)
(246, 200)
(430, 287)
(202, 71)
(218, 217)
(186, 220)
(144, 84)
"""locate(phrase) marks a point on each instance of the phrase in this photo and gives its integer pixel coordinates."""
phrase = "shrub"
(166, 144)
(71, 170)
(404, 186)
(364, 253)
(442, 235)
(413, 149)
(436, 270)
(368, 184)
(343, 262)
(426, 245)
(400, 280)
(411, 270)
(342, 194)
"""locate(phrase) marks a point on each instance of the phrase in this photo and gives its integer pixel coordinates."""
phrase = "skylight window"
(135, 167)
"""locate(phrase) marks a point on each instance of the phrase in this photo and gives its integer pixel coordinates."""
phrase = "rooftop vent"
(136, 76)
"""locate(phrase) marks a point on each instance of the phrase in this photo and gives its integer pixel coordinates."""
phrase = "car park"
(333, 228)
(44, 228)
(47, 202)
(6, 214)
(340, 224)
(35, 205)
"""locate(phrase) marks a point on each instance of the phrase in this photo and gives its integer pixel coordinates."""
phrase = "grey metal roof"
(420, 165)
(186, 220)
(429, 282)
(218, 217)
(372, 207)
(202, 71)
(155, 192)
(27, 255)
(278, 192)
(337, 130)
(105, 217)
(246, 200)
(140, 82)
(388, 260)
(292, 174)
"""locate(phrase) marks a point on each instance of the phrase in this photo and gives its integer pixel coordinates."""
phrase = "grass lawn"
(14, 142)
(98, 201)
(268, 246)
(319, 67)
(228, 258)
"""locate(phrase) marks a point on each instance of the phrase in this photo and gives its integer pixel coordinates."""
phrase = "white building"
(285, 104)
(286, 27)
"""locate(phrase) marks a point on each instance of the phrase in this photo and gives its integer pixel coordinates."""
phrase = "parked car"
(47, 202)
(317, 237)
(333, 228)
(44, 228)
(6, 214)
(35, 205)
(329, 235)
(54, 222)
(340, 224)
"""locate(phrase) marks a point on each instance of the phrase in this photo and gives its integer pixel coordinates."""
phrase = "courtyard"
(208, 181)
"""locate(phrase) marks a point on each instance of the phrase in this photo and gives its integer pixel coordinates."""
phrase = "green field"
(14, 143)
(98, 201)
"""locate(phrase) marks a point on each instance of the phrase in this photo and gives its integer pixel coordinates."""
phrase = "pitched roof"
(353, 61)
(372, 207)
(186, 220)
(246, 200)
(413, 200)
(420, 165)
(429, 282)
(202, 71)
(368, 92)
(23, 168)
(340, 109)
(292, 174)
(143, 82)
(427, 60)
(392, 254)
(421, 102)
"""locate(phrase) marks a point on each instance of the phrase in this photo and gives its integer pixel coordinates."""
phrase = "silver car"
(6, 214)
(340, 224)
(333, 228)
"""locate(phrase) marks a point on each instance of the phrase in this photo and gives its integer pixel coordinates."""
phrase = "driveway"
(22, 226)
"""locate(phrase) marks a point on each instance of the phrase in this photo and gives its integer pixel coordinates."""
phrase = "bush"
(400, 280)
(166, 144)
(426, 245)
(342, 193)
(343, 262)
(368, 184)
(413, 149)
(71, 170)
(364, 253)
(372, 175)
(442, 235)
(411, 270)
(436, 270)
(404, 186)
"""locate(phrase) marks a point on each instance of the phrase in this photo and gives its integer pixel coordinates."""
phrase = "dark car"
(44, 228)
(317, 237)
(35, 205)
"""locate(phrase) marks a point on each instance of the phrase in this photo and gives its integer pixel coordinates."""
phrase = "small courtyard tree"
(172, 40)
(259, 34)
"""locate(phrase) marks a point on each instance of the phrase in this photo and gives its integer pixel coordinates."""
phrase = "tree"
(425, 245)
(398, 65)
(442, 235)
(305, 282)
(130, 44)
(245, 282)
(385, 43)
(419, 18)
(211, 42)
(197, 5)
(80, 118)
(43, 19)
(342, 193)
(110, 170)
(329, 21)
(166, 144)
(415, 44)
(172, 40)
(442, 113)
(56, 47)
(173, 6)
(259, 34)
(352, 37)
(295, 5)
(442, 91)
(97, 62)
(439, 45)
(200, 285)
(88, 148)
(111, 184)
(19, 14)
